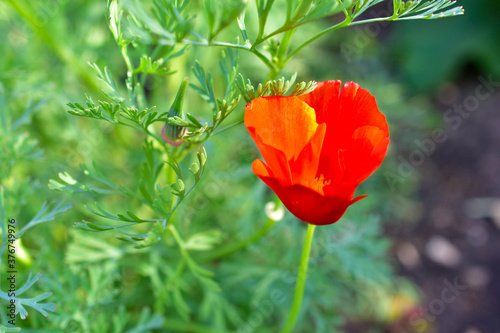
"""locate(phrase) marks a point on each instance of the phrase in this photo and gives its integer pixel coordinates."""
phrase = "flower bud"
(172, 134)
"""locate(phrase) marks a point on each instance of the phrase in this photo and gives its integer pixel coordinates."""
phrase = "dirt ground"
(458, 238)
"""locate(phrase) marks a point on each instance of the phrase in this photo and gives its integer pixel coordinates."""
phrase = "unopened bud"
(172, 134)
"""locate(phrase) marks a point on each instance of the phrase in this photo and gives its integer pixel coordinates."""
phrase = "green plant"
(188, 244)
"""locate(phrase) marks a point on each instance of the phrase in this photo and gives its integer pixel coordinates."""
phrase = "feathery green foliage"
(174, 238)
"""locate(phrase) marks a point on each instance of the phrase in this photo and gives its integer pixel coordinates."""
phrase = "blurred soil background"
(457, 234)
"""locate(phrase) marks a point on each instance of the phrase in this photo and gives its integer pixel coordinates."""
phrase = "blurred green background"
(382, 268)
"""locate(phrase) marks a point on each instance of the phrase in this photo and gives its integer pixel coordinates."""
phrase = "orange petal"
(305, 166)
(365, 154)
(284, 123)
(324, 99)
(357, 108)
(315, 169)
(275, 159)
(344, 111)
(261, 169)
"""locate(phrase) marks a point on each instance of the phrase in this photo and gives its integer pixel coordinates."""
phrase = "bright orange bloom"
(318, 147)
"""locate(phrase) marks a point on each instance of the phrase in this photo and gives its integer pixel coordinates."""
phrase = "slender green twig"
(318, 35)
(345, 23)
(228, 127)
(283, 48)
(243, 30)
(263, 14)
(130, 74)
(226, 251)
(261, 56)
(207, 43)
(301, 281)
(178, 240)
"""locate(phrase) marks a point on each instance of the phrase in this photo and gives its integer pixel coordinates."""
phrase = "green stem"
(266, 61)
(301, 281)
(283, 48)
(318, 35)
(179, 240)
(228, 127)
(223, 252)
(345, 23)
(131, 77)
(263, 14)
(157, 138)
(261, 56)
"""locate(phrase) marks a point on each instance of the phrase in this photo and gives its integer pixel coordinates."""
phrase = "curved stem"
(228, 250)
(345, 23)
(265, 60)
(318, 35)
(261, 56)
(131, 77)
(283, 48)
(222, 252)
(228, 127)
(207, 43)
(301, 281)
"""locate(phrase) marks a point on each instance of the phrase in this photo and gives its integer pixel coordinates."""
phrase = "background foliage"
(216, 262)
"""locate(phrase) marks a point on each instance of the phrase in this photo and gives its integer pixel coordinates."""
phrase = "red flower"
(318, 147)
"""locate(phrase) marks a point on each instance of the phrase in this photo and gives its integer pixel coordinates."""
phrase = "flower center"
(317, 184)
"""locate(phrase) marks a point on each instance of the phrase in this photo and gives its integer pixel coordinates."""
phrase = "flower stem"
(301, 281)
